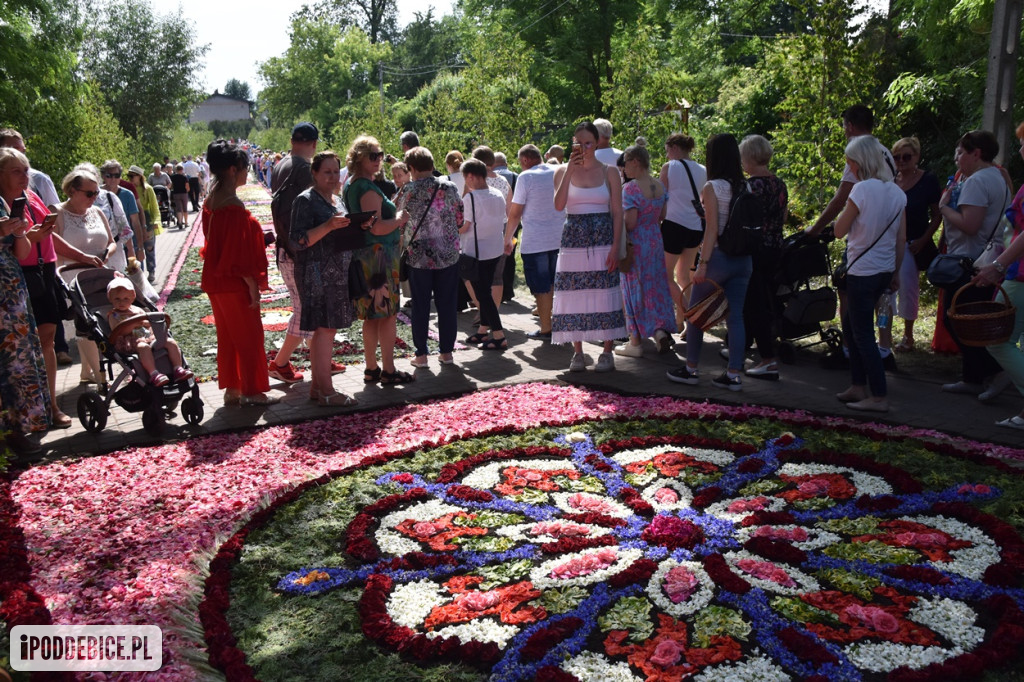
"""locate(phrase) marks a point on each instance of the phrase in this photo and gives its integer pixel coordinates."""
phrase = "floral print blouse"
(436, 245)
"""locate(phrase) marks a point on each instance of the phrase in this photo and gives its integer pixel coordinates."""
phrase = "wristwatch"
(1000, 268)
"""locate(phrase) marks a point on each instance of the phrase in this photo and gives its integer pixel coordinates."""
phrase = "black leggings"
(759, 305)
(977, 363)
(489, 316)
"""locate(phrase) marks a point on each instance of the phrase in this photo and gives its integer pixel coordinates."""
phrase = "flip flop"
(1014, 422)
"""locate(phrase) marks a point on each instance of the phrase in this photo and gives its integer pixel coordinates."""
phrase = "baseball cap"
(305, 132)
(120, 283)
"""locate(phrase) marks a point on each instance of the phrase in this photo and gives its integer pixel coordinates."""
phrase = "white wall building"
(218, 107)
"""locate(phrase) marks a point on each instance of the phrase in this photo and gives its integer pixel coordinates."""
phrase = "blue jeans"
(149, 246)
(441, 286)
(862, 293)
(732, 273)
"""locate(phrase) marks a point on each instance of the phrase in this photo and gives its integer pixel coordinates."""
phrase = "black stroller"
(163, 199)
(131, 388)
(803, 298)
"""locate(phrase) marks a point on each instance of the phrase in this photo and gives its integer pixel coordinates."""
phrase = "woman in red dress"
(234, 272)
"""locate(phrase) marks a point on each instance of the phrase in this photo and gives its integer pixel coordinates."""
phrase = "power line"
(531, 24)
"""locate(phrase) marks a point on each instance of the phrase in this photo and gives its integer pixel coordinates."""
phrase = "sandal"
(396, 377)
(477, 339)
(494, 344)
(372, 376)
(336, 399)
(59, 420)
(905, 345)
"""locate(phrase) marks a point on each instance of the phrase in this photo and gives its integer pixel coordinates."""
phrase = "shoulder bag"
(697, 206)
(403, 263)
(996, 240)
(469, 265)
(842, 270)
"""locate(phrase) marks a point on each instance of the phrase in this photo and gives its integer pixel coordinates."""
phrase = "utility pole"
(1004, 46)
(380, 78)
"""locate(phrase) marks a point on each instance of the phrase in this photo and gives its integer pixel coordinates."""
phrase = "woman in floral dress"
(645, 293)
(23, 390)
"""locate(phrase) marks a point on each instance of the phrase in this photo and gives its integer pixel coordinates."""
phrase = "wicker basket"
(982, 323)
(710, 310)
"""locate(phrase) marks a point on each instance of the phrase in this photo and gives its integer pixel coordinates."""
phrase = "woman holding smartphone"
(321, 274)
(588, 300)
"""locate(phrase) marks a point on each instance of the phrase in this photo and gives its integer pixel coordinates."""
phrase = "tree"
(238, 89)
(377, 18)
(147, 67)
(426, 47)
(322, 71)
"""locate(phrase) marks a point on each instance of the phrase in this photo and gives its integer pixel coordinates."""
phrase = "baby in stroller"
(137, 336)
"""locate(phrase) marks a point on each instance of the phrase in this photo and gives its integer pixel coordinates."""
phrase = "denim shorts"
(539, 270)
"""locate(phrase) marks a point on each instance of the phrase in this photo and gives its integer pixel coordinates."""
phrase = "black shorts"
(46, 298)
(677, 237)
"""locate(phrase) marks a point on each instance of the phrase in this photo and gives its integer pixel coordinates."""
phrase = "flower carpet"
(537, 532)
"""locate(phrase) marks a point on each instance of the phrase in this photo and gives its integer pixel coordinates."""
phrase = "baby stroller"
(803, 299)
(131, 389)
(163, 199)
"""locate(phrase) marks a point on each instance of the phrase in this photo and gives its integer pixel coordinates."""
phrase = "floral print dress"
(24, 395)
(645, 295)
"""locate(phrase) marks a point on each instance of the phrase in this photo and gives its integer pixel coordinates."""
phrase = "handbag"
(950, 271)
(403, 262)
(710, 310)
(469, 266)
(842, 270)
(697, 206)
(995, 245)
(357, 287)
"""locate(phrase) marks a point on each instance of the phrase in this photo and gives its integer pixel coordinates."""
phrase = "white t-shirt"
(542, 224)
(486, 211)
(459, 181)
(680, 193)
(877, 204)
(985, 188)
(723, 192)
(608, 155)
(890, 164)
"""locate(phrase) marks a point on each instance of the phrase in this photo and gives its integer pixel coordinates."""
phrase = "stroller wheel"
(833, 338)
(92, 412)
(787, 352)
(192, 411)
(153, 420)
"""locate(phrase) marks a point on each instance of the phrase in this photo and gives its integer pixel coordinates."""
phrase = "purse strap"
(880, 235)
(476, 244)
(689, 174)
(437, 186)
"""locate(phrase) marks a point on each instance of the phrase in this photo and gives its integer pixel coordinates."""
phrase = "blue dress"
(645, 295)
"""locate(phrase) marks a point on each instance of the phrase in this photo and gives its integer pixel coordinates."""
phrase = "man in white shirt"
(533, 204)
(192, 172)
(605, 152)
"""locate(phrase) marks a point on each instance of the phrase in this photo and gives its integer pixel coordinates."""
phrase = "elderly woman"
(380, 260)
(588, 299)
(234, 271)
(969, 226)
(923, 193)
(39, 267)
(111, 173)
(755, 154)
(23, 387)
(83, 226)
(432, 238)
(321, 273)
(150, 211)
(645, 292)
(874, 225)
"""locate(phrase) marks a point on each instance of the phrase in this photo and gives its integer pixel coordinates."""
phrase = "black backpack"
(744, 231)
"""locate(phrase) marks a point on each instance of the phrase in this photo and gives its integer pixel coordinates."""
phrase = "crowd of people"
(613, 252)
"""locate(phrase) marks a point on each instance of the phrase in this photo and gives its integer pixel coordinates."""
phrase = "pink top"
(35, 211)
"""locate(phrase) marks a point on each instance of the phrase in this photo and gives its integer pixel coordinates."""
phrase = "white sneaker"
(663, 341)
(605, 363)
(629, 350)
(577, 364)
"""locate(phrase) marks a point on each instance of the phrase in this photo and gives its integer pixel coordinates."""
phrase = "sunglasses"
(903, 157)
(111, 175)
(91, 195)
(375, 156)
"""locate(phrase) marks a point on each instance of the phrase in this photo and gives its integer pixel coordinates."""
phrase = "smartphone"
(48, 221)
(18, 208)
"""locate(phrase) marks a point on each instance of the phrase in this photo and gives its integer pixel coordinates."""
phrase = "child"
(140, 339)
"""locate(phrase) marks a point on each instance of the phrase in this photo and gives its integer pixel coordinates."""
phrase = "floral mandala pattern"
(656, 560)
